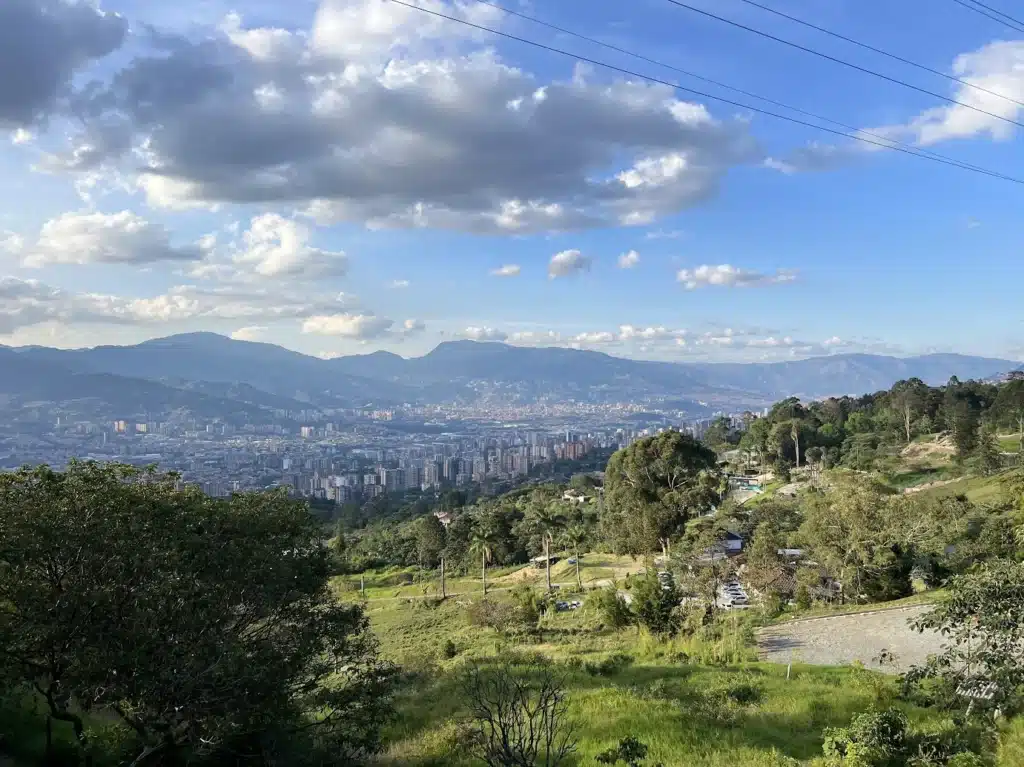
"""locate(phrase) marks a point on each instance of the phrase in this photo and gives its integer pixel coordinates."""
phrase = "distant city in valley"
(233, 415)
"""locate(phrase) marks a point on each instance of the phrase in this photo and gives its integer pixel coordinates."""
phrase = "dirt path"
(843, 639)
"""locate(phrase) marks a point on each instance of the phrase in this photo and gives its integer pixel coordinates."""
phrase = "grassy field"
(410, 582)
(979, 490)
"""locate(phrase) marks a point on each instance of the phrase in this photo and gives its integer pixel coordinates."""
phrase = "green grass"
(1009, 444)
(674, 708)
(979, 490)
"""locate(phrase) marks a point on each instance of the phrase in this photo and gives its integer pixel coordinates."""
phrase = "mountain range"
(207, 371)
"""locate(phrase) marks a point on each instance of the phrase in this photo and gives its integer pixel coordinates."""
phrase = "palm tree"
(482, 545)
(574, 537)
(547, 520)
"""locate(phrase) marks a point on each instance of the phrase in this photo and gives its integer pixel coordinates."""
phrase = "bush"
(612, 607)
(449, 650)
(871, 740)
(517, 720)
(745, 693)
(655, 603)
(503, 617)
(610, 665)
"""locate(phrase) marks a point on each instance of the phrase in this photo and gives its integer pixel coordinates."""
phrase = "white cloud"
(352, 122)
(250, 333)
(484, 334)
(276, 247)
(660, 333)
(593, 338)
(536, 338)
(508, 270)
(400, 284)
(27, 303)
(663, 234)
(629, 260)
(357, 326)
(726, 275)
(21, 136)
(411, 327)
(567, 263)
(98, 238)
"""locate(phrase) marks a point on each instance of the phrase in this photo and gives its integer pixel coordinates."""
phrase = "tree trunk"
(579, 579)
(547, 559)
(796, 444)
(444, 594)
(906, 422)
(1020, 425)
(483, 571)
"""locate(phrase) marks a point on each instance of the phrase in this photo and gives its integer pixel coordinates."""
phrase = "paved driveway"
(846, 638)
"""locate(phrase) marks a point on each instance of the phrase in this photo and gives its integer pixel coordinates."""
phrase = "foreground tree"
(982, 619)
(204, 625)
(654, 486)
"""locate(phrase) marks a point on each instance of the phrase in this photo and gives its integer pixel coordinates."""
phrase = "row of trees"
(855, 432)
(203, 627)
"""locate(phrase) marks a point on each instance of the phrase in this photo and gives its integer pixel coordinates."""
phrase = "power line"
(865, 70)
(873, 49)
(701, 94)
(797, 110)
(992, 13)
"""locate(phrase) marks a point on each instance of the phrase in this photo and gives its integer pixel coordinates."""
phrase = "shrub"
(610, 665)
(655, 603)
(745, 693)
(517, 720)
(629, 750)
(612, 607)
(449, 650)
(504, 617)
(871, 740)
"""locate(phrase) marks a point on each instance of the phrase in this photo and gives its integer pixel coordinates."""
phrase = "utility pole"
(444, 594)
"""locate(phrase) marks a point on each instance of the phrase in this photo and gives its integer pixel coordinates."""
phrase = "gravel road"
(846, 638)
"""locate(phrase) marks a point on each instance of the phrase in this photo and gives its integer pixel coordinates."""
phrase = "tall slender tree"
(482, 545)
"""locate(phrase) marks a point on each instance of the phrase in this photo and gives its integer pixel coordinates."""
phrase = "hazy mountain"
(269, 376)
(214, 358)
(24, 380)
(848, 373)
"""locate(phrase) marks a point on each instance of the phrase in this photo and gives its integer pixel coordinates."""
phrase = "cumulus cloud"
(353, 123)
(508, 270)
(98, 238)
(43, 44)
(629, 260)
(26, 303)
(567, 263)
(484, 334)
(400, 284)
(411, 327)
(726, 275)
(353, 325)
(250, 333)
(276, 247)
(997, 67)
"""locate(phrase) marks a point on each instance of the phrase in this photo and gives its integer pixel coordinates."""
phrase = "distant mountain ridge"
(269, 376)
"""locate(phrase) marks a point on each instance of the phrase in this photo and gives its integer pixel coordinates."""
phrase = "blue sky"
(348, 175)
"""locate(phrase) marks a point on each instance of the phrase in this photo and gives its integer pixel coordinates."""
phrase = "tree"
(1009, 405)
(576, 536)
(654, 486)
(853, 532)
(200, 624)
(766, 571)
(482, 545)
(987, 455)
(982, 619)
(654, 604)
(544, 518)
(517, 722)
(907, 398)
(430, 540)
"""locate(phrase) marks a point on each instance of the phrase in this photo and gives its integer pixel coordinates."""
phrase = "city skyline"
(343, 176)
